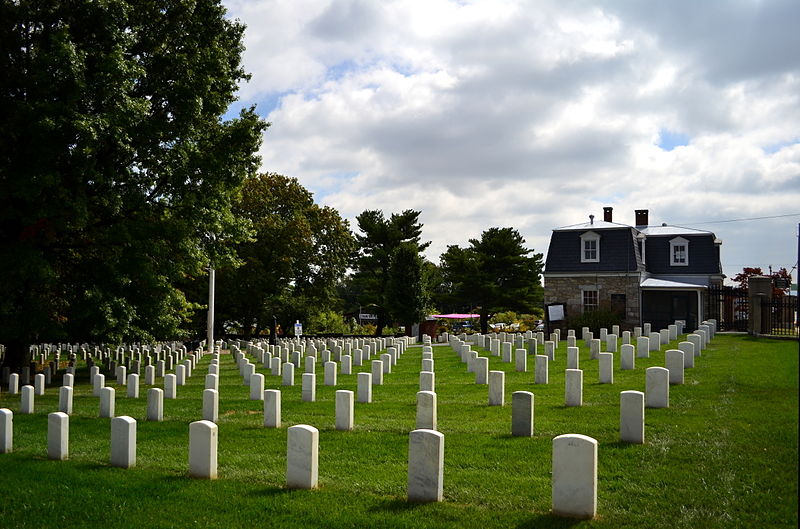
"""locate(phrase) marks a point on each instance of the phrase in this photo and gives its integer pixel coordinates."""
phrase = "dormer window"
(679, 252)
(590, 247)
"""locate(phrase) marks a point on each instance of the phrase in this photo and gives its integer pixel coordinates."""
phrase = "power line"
(740, 220)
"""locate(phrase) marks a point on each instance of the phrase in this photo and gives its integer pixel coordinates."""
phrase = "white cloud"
(535, 114)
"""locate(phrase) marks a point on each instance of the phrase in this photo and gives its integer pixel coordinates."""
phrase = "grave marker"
(57, 435)
(302, 457)
(203, 440)
(522, 414)
(425, 465)
(631, 417)
(123, 442)
(574, 475)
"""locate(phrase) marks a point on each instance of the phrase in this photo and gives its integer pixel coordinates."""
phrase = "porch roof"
(656, 283)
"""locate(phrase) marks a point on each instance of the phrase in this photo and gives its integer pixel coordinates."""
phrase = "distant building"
(655, 274)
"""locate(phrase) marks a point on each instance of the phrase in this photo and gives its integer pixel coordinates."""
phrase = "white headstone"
(427, 381)
(541, 375)
(344, 410)
(58, 436)
(155, 404)
(203, 440)
(657, 387)
(133, 386)
(631, 417)
(377, 373)
(643, 347)
(481, 369)
(522, 414)
(497, 383)
(674, 363)
(627, 357)
(308, 391)
(107, 403)
(521, 358)
(65, 399)
(688, 353)
(302, 457)
(211, 405)
(426, 410)
(272, 408)
(425, 465)
(330, 373)
(606, 368)
(170, 386)
(573, 393)
(365, 387)
(573, 358)
(6, 431)
(123, 442)
(611, 343)
(288, 374)
(256, 386)
(27, 400)
(38, 384)
(574, 475)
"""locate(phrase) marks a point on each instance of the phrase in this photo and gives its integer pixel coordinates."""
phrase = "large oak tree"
(117, 171)
(298, 252)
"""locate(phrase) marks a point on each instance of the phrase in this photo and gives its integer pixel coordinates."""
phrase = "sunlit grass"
(723, 455)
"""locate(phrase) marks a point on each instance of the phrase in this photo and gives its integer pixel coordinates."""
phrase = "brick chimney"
(607, 214)
(642, 217)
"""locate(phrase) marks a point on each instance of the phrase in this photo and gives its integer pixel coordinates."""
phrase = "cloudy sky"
(535, 114)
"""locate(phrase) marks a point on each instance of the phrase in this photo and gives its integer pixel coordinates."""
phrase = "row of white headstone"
(574, 490)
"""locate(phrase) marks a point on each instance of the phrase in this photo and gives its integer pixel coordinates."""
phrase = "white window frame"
(596, 292)
(674, 245)
(587, 237)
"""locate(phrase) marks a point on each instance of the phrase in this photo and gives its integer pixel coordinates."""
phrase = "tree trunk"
(484, 322)
(383, 317)
(17, 355)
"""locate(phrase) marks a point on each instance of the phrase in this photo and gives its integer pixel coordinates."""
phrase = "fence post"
(759, 290)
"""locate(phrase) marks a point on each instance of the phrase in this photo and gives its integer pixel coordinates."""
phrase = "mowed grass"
(725, 454)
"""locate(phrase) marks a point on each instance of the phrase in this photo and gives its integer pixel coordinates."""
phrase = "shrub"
(595, 320)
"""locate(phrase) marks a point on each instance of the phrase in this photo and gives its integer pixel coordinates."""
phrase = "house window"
(590, 247)
(590, 300)
(679, 252)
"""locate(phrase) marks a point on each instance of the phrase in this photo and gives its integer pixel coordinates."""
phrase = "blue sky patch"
(668, 140)
(264, 106)
(775, 147)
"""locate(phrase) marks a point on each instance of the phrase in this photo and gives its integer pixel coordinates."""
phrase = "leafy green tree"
(407, 293)
(117, 172)
(377, 242)
(495, 273)
(291, 266)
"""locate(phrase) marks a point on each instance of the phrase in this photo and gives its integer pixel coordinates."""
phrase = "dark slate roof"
(618, 251)
(703, 254)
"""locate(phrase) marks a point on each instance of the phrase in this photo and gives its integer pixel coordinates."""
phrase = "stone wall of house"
(569, 290)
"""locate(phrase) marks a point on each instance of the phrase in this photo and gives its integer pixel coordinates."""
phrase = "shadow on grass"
(549, 520)
(273, 491)
(397, 505)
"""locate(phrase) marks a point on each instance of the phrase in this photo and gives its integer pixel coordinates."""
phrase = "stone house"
(655, 274)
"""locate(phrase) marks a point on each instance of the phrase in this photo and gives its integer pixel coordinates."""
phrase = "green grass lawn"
(723, 455)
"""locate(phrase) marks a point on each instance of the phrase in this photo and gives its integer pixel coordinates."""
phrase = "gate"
(779, 316)
(730, 306)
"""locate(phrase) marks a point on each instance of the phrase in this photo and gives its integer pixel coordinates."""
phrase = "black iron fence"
(779, 316)
(730, 306)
